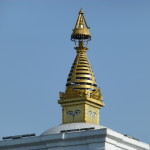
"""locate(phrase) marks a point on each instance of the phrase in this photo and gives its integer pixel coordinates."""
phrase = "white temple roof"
(72, 127)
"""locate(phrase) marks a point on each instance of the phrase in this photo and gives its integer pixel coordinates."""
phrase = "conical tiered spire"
(81, 76)
(82, 99)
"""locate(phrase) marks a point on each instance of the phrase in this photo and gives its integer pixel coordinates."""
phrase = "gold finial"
(81, 11)
(82, 99)
(81, 31)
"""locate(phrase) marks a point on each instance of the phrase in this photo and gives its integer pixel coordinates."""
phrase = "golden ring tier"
(81, 76)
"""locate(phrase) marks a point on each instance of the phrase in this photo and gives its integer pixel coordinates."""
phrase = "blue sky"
(36, 55)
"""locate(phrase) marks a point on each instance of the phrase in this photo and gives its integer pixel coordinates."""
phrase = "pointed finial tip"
(81, 11)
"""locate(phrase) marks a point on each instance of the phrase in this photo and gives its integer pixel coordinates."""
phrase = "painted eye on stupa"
(77, 111)
(93, 114)
(70, 113)
(90, 112)
(73, 113)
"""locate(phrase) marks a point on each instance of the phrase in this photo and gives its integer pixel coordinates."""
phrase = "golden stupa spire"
(82, 99)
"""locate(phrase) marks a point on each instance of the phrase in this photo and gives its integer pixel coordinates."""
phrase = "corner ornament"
(72, 93)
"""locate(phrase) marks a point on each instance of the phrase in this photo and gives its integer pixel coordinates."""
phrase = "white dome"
(72, 127)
